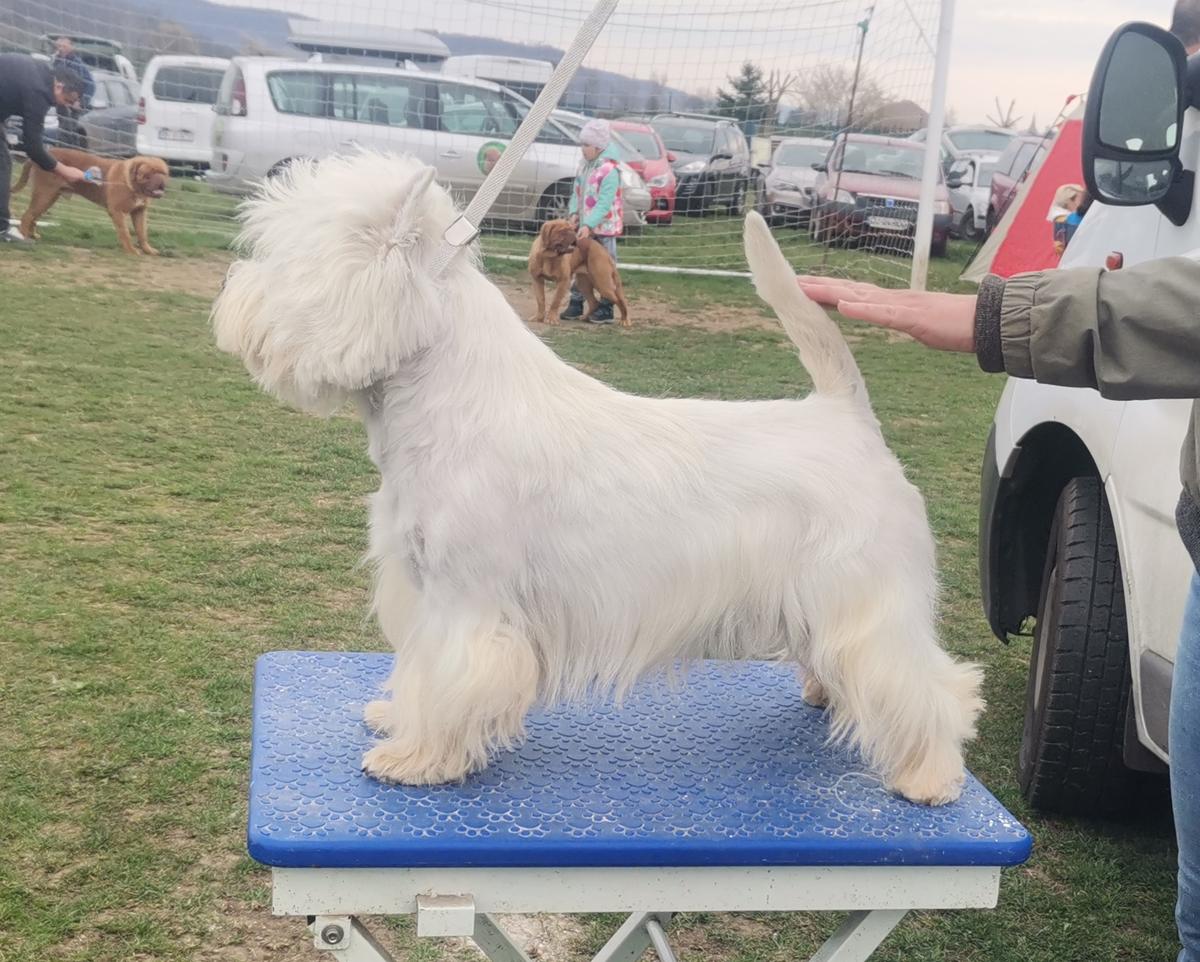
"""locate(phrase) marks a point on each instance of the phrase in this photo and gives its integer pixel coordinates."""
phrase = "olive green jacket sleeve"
(1131, 334)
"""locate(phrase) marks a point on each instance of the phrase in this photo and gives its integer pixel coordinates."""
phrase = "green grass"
(162, 523)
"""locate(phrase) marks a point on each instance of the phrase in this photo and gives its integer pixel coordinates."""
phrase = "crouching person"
(596, 206)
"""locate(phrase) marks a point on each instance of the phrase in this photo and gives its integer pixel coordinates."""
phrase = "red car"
(1021, 156)
(655, 168)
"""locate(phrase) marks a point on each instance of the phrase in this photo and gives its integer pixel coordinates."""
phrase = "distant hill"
(147, 27)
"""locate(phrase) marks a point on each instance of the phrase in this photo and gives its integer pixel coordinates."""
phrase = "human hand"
(72, 175)
(584, 233)
(942, 321)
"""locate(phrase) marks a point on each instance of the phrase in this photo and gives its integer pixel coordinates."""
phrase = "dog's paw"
(397, 764)
(931, 784)
(625, 322)
(814, 692)
(378, 716)
(151, 251)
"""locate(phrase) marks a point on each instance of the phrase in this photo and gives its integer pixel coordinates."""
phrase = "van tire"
(1071, 760)
(555, 202)
(280, 166)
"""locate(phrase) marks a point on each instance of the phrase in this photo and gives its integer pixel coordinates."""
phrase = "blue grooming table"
(719, 793)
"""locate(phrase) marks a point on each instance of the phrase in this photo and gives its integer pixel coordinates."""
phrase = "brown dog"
(128, 187)
(557, 256)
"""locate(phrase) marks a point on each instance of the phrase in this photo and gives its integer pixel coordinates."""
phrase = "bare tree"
(824, 97)
(1004, 117)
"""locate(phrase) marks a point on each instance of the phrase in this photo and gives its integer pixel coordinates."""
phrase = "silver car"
(786, 195)
(271, 112)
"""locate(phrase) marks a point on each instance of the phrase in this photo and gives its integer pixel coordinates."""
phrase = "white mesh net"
(716, 108)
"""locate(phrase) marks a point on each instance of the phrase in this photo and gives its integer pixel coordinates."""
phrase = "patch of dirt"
(648, 311)
(199, 276)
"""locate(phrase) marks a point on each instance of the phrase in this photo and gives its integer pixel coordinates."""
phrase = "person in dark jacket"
(1132, 335)
(70, 130)
(28, 89)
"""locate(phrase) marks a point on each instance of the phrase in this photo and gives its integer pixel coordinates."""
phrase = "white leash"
(465, 228)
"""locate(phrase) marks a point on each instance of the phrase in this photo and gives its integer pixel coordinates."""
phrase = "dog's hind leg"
(138, 216)
(460, 690)
(588, 290)
(118, 220)
(39, 203)
(891, 688)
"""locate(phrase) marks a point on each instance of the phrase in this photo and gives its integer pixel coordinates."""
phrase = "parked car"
(110, 127)
(1012, 167)
(1107, 601)
(175, 109)
(712, 161)
(962, 141)
(786, 194)
(271, 112)
(654, 167)
(969, 200)
(869, 192)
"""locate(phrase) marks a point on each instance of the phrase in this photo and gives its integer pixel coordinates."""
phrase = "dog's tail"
(24, 178)
(823, 351)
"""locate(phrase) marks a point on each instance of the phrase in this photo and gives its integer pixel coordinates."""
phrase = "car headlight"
(694, 167)
(660, 181)
(845, 197)
(941, 207)
(785, 185)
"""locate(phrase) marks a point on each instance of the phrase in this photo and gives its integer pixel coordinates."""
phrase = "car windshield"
(686, 138)
(886, 160)
(625, 150)
(995, 140)
(644, 142)
(800, 155)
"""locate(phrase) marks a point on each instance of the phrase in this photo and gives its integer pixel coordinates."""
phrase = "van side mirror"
(821, 168)
(671, 158)
(954, 179)
(1133, 123)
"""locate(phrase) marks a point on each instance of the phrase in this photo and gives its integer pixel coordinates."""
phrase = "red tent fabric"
(1024, 239)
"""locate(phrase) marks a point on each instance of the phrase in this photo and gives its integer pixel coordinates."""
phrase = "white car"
(1077, 523)
(175, 108)
(786, 195)
(271, 112)
(967, 140)
(969, 200)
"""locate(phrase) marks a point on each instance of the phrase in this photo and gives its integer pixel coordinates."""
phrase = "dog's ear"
(546, 231)
(406, 226)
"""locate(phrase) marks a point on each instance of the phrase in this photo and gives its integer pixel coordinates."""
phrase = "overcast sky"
(1035, 52)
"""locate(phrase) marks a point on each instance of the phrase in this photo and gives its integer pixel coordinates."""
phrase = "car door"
(474, 127)
(384, 111)
(182, 102)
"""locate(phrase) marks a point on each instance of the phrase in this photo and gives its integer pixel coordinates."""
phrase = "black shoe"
(602, 314)
(574, 310)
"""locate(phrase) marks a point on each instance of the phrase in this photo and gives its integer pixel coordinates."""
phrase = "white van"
(520, 74)
(175, 109)
(1077, 522)
(271, 112)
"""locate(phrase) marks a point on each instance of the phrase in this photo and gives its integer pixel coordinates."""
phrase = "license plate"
(167, 134)
(887, 223)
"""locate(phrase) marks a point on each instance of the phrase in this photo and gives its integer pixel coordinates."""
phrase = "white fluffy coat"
(537, 534)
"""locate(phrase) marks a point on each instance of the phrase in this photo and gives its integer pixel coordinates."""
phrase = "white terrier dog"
(537, 534)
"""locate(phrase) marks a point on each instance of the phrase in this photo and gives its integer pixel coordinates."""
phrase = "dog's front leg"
(460, 690)
(561, 289)
(126, 242)
(142, 230)
(539, 293)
